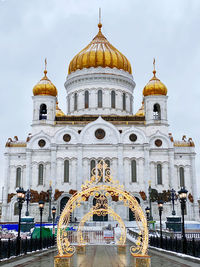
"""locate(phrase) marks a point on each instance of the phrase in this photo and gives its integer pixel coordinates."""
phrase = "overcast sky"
(31, 30)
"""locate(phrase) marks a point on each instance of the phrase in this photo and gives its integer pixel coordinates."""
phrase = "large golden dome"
(155, 87)
(99, 53)
(45, 87)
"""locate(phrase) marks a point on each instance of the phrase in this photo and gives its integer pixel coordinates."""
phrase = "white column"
(53, 167)
(193, 179)
(171, 176)
(146, 169)
(120, 165)
(28, 170)
(79, 166)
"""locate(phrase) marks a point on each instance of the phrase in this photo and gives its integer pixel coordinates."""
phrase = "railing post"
(193, 247)
(8, 252)
(26, 246)
(0, 248)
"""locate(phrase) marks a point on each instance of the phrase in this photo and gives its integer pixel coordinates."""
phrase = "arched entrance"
(131, 213)
(63, 203)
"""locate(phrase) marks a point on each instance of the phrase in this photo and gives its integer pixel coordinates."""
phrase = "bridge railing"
(8, 246)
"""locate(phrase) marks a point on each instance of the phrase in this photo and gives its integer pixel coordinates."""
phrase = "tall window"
(133, 172)
(92, 166)
(75, 101)
(100, 99)
(124, 101)
(131, 104)
(86, 99)
(159, 174)
(40, 174)
(156, 112)
(16, 208)
(68, 104)
(113, 99)
(43, 112)
(182, 177)
(18, 177)
(66, 171)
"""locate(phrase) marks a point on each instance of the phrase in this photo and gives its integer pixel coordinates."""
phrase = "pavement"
(97, 256)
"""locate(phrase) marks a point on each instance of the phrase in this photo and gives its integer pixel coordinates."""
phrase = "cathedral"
(99, 123)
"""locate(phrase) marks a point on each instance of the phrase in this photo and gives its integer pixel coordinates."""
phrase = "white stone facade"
(84, 147)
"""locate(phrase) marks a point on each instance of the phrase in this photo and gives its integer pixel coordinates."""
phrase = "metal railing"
(8, 246)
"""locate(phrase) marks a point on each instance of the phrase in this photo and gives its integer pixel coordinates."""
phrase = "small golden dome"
(45, 87)
(140, 112)
(99, 53)
(59, 112)
(155, 87)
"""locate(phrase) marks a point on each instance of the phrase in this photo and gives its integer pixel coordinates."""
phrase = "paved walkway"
(100, 256)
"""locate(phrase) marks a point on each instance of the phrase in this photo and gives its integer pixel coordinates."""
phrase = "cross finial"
(99, 25)
(154, 66)
(45, 66)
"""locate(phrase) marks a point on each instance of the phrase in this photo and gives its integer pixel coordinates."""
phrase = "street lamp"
(20, 198)
(151, 217)
(27, 198)
(50, 194)
(41, 207)
(173, 194)
(160, 208)
(182, 198)
(147, 214)
(54, 215)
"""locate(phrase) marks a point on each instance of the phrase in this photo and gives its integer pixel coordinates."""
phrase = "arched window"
(113, 99)
(86, 99)
(100, 100)
(43, 112)
(40, 174)
(124, 101)
(156, 112)
(75, 101)
(66, 171)
(159, 174)
(16, 208)
(182, 177)
(68, 104)
(92, 166)
(133, 171)
(18, 177)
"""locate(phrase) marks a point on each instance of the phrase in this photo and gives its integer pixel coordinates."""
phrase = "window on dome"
(100, 100)
(113, 99)
(18, 177)
(133, 171)
(159, 174)
(66, 171)
(156, 112)
(43, 112)
(182, 177)
(86, 99)
(75, 101)
(40, 174)
(68, 104)
(124, 101)
(131, 106)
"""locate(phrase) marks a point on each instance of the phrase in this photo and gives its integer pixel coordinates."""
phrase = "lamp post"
(160, 208)
(147, 215)
(173, 193)
(27, 198)
(41, 207)
(54, 215)
(50, 194)
(151, 217)
(182, 198)
(20, 198)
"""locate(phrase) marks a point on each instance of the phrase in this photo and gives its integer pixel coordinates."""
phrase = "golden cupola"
(99, 53)
(154, 86)
(45, 87)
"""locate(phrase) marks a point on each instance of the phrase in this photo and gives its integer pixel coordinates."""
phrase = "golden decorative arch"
(101, 185)
(102, 212)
